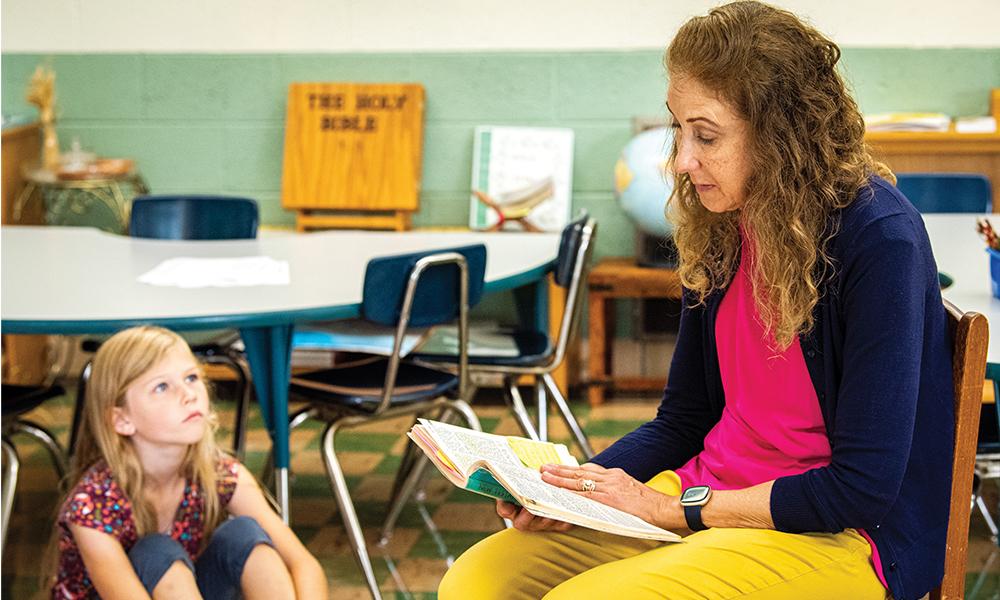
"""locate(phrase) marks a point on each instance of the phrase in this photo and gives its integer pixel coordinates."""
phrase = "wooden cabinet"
(25, 357)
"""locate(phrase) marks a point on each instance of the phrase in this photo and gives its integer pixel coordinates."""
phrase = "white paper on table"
(185, 272)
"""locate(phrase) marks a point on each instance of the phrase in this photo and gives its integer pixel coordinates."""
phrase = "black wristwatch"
(692, 500)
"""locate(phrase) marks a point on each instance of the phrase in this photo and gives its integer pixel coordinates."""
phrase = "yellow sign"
(353, 147)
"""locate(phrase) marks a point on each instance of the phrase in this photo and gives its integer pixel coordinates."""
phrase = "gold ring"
(588, 485)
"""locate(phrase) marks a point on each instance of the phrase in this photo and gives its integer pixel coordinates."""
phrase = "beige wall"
(405, 25)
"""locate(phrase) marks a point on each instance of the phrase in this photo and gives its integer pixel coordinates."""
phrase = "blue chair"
(18, 400)
(513, 353)
(194, 217)
(411, 290)
(946, 192)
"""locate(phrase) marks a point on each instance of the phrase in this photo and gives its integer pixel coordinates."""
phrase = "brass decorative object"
(42, 93)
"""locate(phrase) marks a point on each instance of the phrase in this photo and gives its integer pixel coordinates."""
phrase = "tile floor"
(412, 564)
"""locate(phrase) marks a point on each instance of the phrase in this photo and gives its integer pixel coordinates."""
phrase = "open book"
(507, 468)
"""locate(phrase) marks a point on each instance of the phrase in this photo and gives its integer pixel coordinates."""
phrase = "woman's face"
(712, 144)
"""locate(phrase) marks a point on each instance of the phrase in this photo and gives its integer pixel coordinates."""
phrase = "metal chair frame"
(545, 385)
(340, 418)
(13, 425)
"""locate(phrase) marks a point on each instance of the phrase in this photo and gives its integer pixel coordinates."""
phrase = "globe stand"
(654, 251)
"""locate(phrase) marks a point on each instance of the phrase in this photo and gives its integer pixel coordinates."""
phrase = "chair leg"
(9, 485)
(242, 404)
(339, 485)
(81, 397)
(513, 397)
(568, 417)
(237, 365)
(990, 523)
(46, 438)
(416, 474)
(541, 402)
(411, 455)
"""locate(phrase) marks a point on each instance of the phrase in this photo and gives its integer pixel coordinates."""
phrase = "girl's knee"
(228, 550)
(239, 532)
(154, 555)
(236, 539)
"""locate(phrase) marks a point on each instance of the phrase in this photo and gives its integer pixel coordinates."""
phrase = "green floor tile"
(457, 542)
(611, 428)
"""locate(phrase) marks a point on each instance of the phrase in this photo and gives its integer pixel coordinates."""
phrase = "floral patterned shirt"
(98, 503)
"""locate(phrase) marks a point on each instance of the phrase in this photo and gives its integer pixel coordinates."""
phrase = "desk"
(961, 255)
(70, 280)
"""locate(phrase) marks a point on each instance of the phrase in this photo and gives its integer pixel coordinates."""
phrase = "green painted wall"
(214, 123)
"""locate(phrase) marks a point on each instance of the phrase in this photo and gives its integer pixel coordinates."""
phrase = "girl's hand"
(617, 489)
(525, 521)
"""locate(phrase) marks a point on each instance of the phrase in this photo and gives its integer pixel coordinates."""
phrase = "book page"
(546, 500)
(465, 447)
(535, 454)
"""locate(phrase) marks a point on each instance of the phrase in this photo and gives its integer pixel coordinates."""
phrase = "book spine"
(483, 482)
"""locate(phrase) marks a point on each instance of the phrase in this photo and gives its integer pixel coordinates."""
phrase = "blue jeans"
(218, 569)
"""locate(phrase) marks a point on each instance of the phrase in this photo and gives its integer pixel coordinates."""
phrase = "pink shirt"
(771, 425)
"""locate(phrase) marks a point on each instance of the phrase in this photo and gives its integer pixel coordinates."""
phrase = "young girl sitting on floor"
(147, 515)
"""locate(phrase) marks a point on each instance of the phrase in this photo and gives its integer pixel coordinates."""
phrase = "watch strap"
(692, 514)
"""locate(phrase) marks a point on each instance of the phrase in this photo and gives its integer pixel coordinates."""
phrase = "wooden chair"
(970, 333)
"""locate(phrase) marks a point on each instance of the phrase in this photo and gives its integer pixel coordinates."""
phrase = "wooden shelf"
(943, 151)
(610, 279)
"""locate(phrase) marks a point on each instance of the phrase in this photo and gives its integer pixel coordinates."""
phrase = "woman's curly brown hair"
(808, 158)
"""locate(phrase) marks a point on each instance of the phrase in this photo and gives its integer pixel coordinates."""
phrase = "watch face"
(695, 495)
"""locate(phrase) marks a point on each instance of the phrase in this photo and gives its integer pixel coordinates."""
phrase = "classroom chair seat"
(358, 385)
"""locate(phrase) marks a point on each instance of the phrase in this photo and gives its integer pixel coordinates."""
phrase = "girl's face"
(712, 143)
(166, 405)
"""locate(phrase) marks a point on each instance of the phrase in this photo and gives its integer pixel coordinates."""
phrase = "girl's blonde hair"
(119, 362)
(807, 151)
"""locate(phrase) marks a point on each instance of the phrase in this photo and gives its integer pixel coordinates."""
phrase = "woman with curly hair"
(803, 444)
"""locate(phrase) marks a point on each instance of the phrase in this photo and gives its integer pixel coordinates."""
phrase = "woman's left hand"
(616, 488)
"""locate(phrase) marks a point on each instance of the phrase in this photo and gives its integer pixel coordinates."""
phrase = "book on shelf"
(506, 468)
(975, 125)
(908, 121)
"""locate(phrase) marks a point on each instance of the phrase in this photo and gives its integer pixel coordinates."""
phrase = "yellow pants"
(716, 563)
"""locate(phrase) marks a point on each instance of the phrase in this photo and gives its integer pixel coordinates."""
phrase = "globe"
(642, 183)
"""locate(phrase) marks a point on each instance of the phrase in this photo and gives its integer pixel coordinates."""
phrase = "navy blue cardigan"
(880, 359)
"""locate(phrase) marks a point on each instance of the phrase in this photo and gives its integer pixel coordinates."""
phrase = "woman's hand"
(525, 521)
(618, 489)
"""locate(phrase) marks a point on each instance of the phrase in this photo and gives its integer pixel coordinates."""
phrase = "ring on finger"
(588, 485)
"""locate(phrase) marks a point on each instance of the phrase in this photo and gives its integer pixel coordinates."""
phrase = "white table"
(68, 280)
(961, 255)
